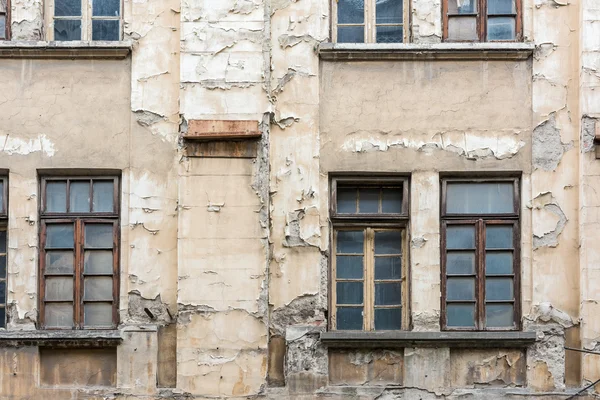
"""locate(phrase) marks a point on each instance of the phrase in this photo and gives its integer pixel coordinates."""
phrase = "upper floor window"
(4, 19)
(3, 246)
(79, 252)
(369, 21)
(85, 20)
(482, 20)
(480, 254)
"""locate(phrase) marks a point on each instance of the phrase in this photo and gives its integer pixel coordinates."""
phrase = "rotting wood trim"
(221, 130)
(61, 339)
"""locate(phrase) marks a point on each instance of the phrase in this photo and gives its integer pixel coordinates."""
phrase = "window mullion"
(482, 20)
(480, 297)
(369, 280)
(77, 298)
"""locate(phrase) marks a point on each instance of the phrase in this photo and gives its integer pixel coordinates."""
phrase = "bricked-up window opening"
(3, 248)
(79, 252)
(4, 19)
(369, 21)
(480, 254)
(368, 288)
(86, 20)
(482, 20)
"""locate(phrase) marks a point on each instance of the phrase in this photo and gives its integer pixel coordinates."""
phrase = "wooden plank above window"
(221, 130)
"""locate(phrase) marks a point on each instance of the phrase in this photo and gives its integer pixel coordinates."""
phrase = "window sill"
(61, 338)
(438, 51)
(401, 339)
(65, 50)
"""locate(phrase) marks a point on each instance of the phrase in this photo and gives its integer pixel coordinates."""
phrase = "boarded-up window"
(4, 19)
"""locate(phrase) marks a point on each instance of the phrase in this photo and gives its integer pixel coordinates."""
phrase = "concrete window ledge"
(428, 339)
(56, 338)
(437, 51)
(65, 50)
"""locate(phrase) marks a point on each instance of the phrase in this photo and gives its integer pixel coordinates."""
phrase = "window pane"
(460, 315)
(462, 28)
(388, 268)
(499, 237)
(2, 267)
(103, 196)
(98, 288)
(2, 36)
(58, 315)
(499, 263)
(390, 34)
(501, 7)
(79, 200)
(67, 8)
(97, 314)
(59, 289)
(349, 318)
(351, 11)
(350, 242)
(59, 236)
(392, 201)
(105, 30)
(1, 182)
(2, 292)
(368, 201)
(66, 30)
(98, 262)
(388, 11)
(499, 315)
(59, 262)
(388, 242)
(460, 262)
(349, 292)
(106, 8)
(349, 267)
(2, 241)
(480, 198)
(346, 201)
(499, 289)
(387, 294)
(460, 237)
(388, 318)
(460, 289)
(501, 28)
(462, 6)
(56, 197)
(351, 34)
(99, 236)
(2, 317)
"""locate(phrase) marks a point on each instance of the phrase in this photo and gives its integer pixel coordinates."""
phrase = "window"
(3, 246)
(79, 252)
(369, 21)
(482, 20)
(85, 20)
(369, 260)
(4, 19)
(480, 254)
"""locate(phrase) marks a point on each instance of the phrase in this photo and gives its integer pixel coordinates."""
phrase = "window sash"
(369, 22)
(69, 180)
(516, 199)
(86, 19)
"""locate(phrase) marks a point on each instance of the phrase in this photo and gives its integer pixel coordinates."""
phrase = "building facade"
(299, 199)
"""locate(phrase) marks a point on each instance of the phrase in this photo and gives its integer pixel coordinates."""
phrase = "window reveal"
(482, 20)
(369, 21)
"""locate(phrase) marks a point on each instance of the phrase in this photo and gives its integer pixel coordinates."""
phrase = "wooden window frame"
(480, 221)
(370, 223)
(4, 227)
(79, 221)
(482, 17)
(370, 32)
(7, 17)
(86, 19)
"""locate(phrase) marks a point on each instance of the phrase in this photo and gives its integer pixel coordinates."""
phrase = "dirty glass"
(3, 240)
(499, 315)
(99, 236)
(460, 289)
(105, 30)
(462, 7)
(388, 267)
(480, 198)
(97, 314)
(67, 30)
(499, 237)
(56, 197)
(106, 8)
(460, 315)
(460, 262)
(346, 201)
(2, 317)
(59, 262)
(391, 201)
(67, 8)
(351, 34)
(498, 263)
(2, 291)
(2, 267)
(349, 267)
(103, 196)
(501, 7)
(499, 289)
(1, 183)
(349, 318)
(351, 11)
(59, 236)
(59, 289)
(388, 11)
(368, 201)
(387, 294)
(460, 237)
(349, 292)
(2, 36)
(390, 34)
(98, 262)
(388, 318)
(388, 242)
(79, 199)
(97, 288)
(350, 242)
(501, 28)
(58, 315)
(462, 28)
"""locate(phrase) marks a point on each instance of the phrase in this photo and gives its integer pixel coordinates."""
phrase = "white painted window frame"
(86, 20)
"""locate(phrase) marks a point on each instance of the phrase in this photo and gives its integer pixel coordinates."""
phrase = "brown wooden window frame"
(480, 221)
(4, 254)
(7, 22)
(80, 220)
(370, 223)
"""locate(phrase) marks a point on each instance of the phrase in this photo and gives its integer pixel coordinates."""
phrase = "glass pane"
(349, 267)
(462, 28)
(499, 237)
(2, 292)
(390, 34)
(59, 235)
(351, 11)
(97, 314)
(351, 34)
(499, 315)
(388, 242)
(388, 268)
(106, 8)
(59, 289)
(58, 315)
(103, 196)
(79, 200)
(460, 237)
(460, 262)
(350, 242)
(2, 317)
(368, 201)
(460, 315)
(2, 36)
(2, 241)
(388, 318)
(67, 8)
(387, 294)
(349, 318)
(98, 262)
(2, 267)
(499, 289)
(388, 11)
(460, 289)
(501, 7)
(462, 6)
(67, 30)
(392, 201)
(105, 30)
(497, 263)
(98, 288)
(56, 197)
(349, 292)
(99, 235)
(59, 262)
(1, 182)
(501, 28)
(480, 198)
(346, 201)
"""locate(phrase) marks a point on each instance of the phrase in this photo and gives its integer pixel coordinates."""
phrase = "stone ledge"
(428, 339)
(65, 50)
(61, 338)
(437, 51)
